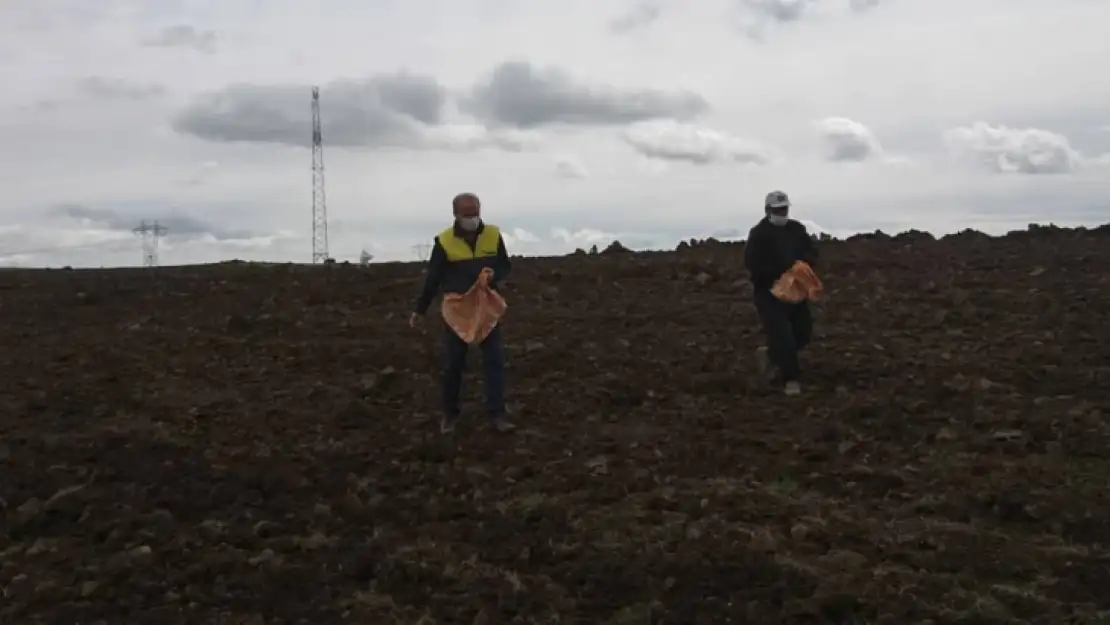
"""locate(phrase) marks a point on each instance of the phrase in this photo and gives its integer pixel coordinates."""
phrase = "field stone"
(763, 541)
(799, 532)
(29, 509)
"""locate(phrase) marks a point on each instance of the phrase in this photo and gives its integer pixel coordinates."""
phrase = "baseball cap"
(777, 199)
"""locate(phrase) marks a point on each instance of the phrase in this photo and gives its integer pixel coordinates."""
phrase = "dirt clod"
(251, 443)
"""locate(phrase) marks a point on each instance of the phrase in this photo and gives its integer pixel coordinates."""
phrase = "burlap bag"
(799, 284)
(474, 314)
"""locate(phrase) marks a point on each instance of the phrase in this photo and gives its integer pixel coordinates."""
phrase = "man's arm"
(808, 250)
(763, 260)
(502, 266)
(436, 265)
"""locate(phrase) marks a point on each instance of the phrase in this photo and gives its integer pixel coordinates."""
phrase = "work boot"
(792, 389)
(502, 424)
(447, 423)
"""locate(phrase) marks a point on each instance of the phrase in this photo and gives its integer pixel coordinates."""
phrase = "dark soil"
(258, 444)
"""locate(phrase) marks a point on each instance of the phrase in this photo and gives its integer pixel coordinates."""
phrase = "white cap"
(777, 199)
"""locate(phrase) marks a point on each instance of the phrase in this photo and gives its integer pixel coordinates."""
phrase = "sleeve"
(808, 248)
(503, 265)
(763, 261)
(436, 264)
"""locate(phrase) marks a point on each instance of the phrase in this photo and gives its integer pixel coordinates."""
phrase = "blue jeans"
(493, 363)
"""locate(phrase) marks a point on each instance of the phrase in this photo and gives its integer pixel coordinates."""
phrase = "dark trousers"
(788, 328)
(454, 364)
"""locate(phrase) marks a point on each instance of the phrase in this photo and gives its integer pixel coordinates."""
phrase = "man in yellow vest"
(459, 255)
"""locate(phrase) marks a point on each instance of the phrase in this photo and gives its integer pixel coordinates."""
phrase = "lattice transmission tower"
(319, 197)
(150, 234)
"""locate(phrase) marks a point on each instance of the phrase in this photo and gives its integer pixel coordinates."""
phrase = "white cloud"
(469, 137)
(732, 233)
(514, 236)
(846, 140)
(1014, 150)
(674, 141)
(197, 114)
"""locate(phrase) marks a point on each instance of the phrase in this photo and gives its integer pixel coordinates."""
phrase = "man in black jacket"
(459, 255)
(773, 246)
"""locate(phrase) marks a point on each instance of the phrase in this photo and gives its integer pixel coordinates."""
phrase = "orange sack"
(474, 314)
(798, 284)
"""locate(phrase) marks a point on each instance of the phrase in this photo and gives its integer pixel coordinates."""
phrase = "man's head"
(777, 207)
(467, 211)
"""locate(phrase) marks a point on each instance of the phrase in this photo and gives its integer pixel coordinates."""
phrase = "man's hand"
(415, 319)
(485, 277)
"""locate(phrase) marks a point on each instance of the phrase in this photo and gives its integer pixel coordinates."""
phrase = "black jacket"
(458, 276)
(771, 250)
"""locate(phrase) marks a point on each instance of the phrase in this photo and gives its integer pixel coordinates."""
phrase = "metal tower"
(150, 234)
(319, 198)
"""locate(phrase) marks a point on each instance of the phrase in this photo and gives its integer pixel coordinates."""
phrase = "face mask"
(470, 224)
(778, 220)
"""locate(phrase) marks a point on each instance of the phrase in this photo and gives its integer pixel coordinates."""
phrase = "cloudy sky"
(576, 121)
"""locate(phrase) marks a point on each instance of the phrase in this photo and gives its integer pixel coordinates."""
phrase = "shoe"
(503, 425)
(792, 389)
(447, 424)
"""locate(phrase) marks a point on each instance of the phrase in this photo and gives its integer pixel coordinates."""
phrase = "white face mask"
(470, 224)
(778, 220)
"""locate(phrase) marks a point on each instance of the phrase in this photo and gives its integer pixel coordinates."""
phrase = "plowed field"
(258, 444)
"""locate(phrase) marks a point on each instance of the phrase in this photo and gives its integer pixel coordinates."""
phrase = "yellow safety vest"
(457, 249)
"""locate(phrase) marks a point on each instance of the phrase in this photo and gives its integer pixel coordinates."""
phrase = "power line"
(319, 197)
(150, 233)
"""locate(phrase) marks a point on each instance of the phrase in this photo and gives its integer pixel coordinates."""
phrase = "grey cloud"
(176, 224)
(779, 10)
(43, 105)
(642, 15)
(386, 110)
(117, 89)
(184, 36)
(518, 94)
(570, 167)
(849, 150)
(420, 97)
(864, 5)
(765, 13)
